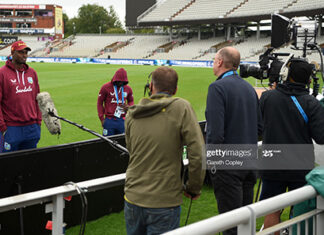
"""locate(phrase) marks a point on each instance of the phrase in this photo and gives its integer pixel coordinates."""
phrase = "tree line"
(93, 18)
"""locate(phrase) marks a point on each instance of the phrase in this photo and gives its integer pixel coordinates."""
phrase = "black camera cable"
(184, 172)
(321, 56)
(189, 209)
(190, 204)
(84, 203)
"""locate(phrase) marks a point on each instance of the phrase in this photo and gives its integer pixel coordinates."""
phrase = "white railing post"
(249, 227)
(320, 217)
(57, 215)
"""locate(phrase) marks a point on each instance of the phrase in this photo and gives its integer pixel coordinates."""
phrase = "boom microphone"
(52, 121)
(114, 144)
(47, 108)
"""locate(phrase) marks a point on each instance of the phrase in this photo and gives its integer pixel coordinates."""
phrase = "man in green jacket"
(156, 130)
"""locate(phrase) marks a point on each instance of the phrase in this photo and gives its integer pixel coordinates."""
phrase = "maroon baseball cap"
(18, 46)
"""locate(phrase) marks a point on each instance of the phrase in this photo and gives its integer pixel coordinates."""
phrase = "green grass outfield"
(74, 89)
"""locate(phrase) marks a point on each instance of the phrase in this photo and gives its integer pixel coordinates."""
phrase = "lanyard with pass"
(116, 94)
(119, 111)
(229, 73)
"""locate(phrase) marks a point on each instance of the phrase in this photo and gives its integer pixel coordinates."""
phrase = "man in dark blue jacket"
(233, 118)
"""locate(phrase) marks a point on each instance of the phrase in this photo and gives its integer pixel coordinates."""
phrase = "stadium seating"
(310, 55)
(252, 46)
(145, 46)
(5, 51)
(89, 45)
(301, 5)
(191, 49)
(166, 10)
(34, 42)
(151, 46)
(184, 10)
(140, 47)
(260, 7)
(207, 9)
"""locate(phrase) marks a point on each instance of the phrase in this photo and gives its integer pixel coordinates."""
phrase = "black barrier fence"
(43, 168)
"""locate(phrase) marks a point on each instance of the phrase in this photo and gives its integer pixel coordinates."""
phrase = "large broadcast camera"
(303, 37)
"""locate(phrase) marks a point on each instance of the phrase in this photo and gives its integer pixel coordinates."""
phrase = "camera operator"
(156, 130)
(291, 116)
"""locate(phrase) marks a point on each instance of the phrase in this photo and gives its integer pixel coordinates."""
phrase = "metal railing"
(56, 197)
(245, 217)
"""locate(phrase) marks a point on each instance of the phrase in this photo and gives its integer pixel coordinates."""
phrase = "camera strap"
(299, 108)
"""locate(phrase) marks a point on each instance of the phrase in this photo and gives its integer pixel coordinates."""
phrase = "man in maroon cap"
(113, 101)
(20, 117)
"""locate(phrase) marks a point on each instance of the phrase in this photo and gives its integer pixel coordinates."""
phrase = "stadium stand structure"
(228, 14)
(36, 43)
(311, 55)
(184, 46)
(192, 49)
(153, 47)
(140, 47)
(165, 10)
(148, 46)
(260, 7)
(304, 5)
(82, 45)
(207, 9)
(221, 11)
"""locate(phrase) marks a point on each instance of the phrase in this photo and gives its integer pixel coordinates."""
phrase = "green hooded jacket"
(155, 131)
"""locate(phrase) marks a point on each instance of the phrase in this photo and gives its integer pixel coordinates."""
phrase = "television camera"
(270, 65)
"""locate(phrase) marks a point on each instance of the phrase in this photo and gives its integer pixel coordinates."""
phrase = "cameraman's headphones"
(147, 85)
(284, 71)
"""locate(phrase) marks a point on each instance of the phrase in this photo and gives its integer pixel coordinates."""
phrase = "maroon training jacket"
(107, 102)
(18, 91)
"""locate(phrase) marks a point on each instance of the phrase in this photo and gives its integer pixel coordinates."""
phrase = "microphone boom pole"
(113, 143)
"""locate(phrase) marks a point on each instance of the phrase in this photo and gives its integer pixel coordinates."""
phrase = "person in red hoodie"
(113, 100)
(20, 116)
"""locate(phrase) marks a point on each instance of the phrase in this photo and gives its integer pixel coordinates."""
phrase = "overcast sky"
(70, 7)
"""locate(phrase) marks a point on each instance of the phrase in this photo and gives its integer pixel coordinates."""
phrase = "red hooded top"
(18, 91)
(107, 102)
